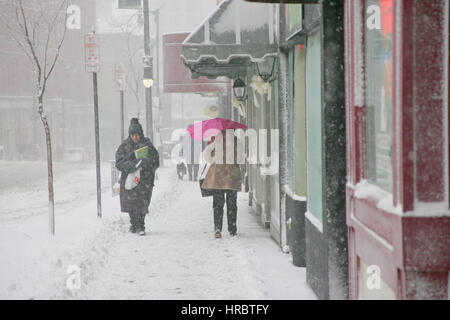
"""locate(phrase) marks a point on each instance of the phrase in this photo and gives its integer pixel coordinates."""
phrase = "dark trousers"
(181, 170)
(218, 204)
(137, 221)
(193, 167)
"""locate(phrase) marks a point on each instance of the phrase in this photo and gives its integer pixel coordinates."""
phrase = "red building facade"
(397, 123)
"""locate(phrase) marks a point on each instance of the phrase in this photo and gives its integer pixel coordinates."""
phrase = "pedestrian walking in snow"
(181, 165)
(136, 201)
(191, 153)
(224, 179)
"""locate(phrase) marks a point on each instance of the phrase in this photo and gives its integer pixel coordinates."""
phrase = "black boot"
(141, 224)
(218, 202)
(133, 222)
(232, 211)
(218, 219)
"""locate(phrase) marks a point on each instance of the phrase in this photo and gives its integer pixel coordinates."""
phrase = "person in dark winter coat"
(137, 200)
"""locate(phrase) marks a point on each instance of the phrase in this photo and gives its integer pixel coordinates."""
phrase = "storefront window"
(296, 126)
(290, 133)
(297, 121)
(300, 120)
(378, 98)
(314, 125)
(130, 4)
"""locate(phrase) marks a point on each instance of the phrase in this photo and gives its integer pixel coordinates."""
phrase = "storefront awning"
(234, 36)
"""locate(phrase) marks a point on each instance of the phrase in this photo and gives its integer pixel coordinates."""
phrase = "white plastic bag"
(204, 171)
(204, 192)
(133, 179)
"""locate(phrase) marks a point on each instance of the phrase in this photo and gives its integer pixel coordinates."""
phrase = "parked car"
(75, 155)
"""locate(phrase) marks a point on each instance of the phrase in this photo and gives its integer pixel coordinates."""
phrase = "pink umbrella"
(206, 128)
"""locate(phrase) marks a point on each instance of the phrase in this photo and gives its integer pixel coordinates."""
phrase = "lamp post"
(148, 77)
(156, 14)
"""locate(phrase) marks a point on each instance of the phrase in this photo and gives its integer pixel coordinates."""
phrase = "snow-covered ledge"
(429, 209)
(292, 194)
(383, 199)
(316, 222)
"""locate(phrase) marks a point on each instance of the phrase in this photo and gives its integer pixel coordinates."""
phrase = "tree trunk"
(49, 165)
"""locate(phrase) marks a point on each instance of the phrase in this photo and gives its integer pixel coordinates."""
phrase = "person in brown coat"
(225, 181)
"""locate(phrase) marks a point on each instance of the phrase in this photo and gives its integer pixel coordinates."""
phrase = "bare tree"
(135, 74)
(38, 28)
(134, 52)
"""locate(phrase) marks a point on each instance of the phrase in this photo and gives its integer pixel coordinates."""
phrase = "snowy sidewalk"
(180, 259)
(177, 259)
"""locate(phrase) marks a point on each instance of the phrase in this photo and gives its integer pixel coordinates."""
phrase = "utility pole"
(157, 78)
(148, 72)
(97, 148)
(156, 13)
(120, 81)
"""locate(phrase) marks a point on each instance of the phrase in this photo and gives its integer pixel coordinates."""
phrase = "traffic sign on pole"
(91, 55)
(120, 77)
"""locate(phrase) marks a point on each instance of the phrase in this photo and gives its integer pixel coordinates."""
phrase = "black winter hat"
(135, 127)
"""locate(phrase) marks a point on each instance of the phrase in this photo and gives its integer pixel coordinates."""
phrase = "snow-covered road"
(177, 259)
(24, 188)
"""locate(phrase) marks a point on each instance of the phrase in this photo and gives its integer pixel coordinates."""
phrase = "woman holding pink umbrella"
(223, 179)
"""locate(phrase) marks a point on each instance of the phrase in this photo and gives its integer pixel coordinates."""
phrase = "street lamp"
(266, 68)
(239, 89)
(148, 81)
(148, 72)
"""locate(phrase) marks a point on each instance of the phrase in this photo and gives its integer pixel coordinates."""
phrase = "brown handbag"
(204, 192)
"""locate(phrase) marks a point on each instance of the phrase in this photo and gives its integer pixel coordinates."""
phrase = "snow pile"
(34, 263)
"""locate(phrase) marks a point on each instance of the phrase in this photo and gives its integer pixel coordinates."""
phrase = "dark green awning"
(234, 36)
